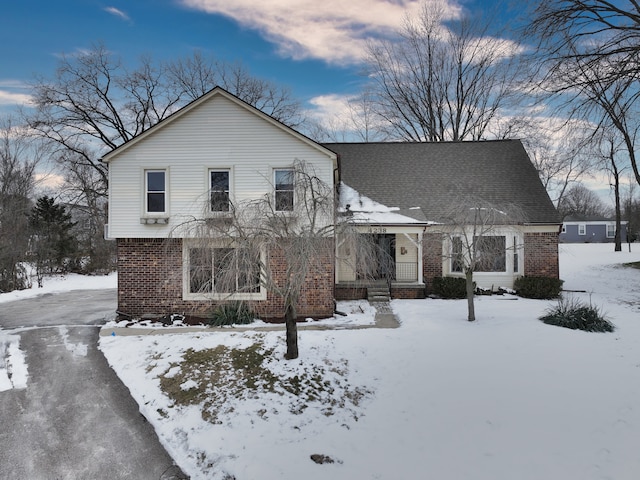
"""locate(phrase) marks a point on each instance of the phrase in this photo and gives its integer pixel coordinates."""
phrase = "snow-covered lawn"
(507, 397)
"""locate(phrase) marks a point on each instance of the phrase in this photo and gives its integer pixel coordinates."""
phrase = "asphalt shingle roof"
(433, 176)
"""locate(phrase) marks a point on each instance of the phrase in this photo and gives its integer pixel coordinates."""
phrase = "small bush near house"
(538, 287)
(237, 313)
(450, 287)
(576, 315)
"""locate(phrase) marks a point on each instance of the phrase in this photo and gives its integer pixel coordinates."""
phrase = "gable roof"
(216, 91)
(433, 176)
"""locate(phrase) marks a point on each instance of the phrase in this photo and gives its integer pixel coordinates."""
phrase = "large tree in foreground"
(442, 79)
(281, 242)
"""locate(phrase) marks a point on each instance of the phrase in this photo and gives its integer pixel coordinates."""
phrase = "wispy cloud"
(12, 98)
(332, 30)
(118, 13)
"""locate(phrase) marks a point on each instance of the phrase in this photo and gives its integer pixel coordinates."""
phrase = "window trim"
(203, 296)
(229, 189)
(582, 229)
(513, 253)
(613, 227)
(145, 214)
(275, 189)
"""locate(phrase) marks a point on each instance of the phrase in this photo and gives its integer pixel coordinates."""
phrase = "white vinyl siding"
(215, 134)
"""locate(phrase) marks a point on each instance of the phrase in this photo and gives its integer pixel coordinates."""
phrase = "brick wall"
(150, 282)
(432, 258)
(541, 255)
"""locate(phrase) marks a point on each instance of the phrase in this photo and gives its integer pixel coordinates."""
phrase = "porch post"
(420, 259)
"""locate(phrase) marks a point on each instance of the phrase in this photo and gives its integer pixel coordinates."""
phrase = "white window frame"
(613, 230)
(514, 252)
(229, 190)
(275, 189)
(146, 191)
(582, 229)
(564, 228)
(187, 245)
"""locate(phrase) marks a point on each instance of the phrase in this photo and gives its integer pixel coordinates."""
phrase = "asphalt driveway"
(75, 419)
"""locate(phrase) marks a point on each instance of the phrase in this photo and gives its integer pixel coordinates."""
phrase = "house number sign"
(377, 230)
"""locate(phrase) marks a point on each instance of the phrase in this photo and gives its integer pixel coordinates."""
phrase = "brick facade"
(432, 258)
(150, 282)
(541, 255)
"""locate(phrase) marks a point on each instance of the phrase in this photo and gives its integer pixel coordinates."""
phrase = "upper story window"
(582, 229)
(219, 185)
(156, 193)
(611, 230)
(284, 189)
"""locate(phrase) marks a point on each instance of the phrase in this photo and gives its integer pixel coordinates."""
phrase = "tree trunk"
(292, 331)
(616, 186)
(470, 294)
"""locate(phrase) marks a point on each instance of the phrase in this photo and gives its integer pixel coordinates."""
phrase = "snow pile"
(13, 368)
(501, 398)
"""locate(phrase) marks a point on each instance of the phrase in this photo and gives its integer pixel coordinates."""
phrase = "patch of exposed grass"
(632, 265)
(217, 378)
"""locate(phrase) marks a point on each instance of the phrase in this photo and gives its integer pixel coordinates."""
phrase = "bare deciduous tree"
(581, 201)
(442, 80)
(476, 240)
(279, 243)
(18, 160)
(94, 103)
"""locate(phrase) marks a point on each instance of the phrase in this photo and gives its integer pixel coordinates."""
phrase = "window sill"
(224, 296)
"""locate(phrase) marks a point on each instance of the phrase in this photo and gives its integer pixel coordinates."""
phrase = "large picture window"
(490, 254)
(223, 271)
(219, 188)
(284, 189)
(155, 187)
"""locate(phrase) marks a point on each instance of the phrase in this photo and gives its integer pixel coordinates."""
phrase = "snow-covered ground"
(506, 397)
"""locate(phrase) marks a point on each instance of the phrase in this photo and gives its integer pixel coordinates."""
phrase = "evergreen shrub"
(538, 287)
(450, 287)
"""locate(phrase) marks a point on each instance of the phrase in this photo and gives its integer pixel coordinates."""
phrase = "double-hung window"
(155, 191)
(611, 230)
(284, 189)
(219, 189)
(582, 229)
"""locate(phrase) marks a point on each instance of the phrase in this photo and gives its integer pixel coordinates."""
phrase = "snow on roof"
(365, 210)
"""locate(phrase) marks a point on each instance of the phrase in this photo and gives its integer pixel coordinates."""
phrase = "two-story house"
(218, 152)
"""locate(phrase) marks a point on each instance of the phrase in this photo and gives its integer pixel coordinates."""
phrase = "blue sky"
(312, 46)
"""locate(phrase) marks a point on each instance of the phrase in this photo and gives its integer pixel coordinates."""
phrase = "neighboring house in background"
(591, 229)
(220, 148)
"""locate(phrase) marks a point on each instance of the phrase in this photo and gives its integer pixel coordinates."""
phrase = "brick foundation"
(541, 255)
(150, 282)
